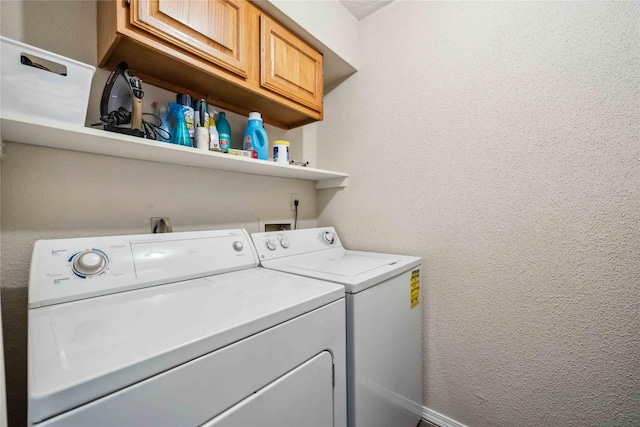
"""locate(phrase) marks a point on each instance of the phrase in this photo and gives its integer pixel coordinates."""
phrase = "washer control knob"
(270, 245)
(89, 263)
(238, 246)
(285, 243)
(328, 237)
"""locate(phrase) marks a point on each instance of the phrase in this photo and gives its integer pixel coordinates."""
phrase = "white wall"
(48, 193)
(500, 142)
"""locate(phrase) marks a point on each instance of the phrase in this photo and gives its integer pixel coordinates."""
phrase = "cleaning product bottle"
(163, 133)
(224, 132)
(201, 111)
(189, 116)
(255, 137)
(180, 133)
(202, 136)
(214, 142)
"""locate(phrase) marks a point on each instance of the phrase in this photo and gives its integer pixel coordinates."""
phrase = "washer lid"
(347, 264)
(82, 350)
(354, 269)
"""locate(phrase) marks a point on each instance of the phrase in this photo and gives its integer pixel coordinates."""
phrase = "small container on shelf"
(281, 151)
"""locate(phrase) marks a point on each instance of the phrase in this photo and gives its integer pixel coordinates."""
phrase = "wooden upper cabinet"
(289, 66)
(212, 29)
(226, 51)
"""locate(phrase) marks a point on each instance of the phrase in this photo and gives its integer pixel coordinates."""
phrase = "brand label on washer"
(415, 288)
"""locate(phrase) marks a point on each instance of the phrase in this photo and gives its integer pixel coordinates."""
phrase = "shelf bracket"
(339, 182)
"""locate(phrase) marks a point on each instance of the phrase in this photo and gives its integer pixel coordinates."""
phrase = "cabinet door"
(211, 29)
(289, 66)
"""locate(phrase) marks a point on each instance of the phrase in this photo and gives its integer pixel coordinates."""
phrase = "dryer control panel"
(71, 269)
(285, 243)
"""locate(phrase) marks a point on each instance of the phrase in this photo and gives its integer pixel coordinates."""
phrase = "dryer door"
(303, 396)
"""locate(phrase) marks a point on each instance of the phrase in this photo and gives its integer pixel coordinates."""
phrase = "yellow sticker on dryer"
(415, 288)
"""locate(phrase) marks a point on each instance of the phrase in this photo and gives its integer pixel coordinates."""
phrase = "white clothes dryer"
(384, 319)
(180, 329)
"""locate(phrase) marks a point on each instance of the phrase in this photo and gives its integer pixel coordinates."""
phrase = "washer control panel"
(271, 245)
(328, 237)
(89, 263)
(71, 269)
(278, 244)
(284, 242)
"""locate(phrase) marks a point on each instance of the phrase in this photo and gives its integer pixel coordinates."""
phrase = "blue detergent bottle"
(255, 137)
(180, 134)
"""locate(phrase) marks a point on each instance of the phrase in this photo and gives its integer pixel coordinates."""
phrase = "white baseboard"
(439, 419)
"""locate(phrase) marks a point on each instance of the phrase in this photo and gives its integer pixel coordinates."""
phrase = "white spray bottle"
(214, 142)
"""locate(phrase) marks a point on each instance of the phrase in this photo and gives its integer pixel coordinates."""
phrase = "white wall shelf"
(35, 131)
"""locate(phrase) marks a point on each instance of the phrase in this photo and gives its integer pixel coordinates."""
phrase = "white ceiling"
(362, 8)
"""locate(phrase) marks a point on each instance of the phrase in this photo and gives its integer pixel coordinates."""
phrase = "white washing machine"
(384, 319)
(180, 329)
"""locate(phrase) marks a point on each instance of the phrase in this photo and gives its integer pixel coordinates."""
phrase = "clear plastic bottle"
(164, 134)
(180, 134)
(189, 116)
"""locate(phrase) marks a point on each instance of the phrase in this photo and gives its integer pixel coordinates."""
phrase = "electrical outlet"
(294, 197)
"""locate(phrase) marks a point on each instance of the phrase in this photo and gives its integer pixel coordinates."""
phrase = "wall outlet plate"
(294, 197)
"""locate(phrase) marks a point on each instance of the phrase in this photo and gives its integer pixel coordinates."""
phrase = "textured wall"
(500, 142)
(48, 193)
